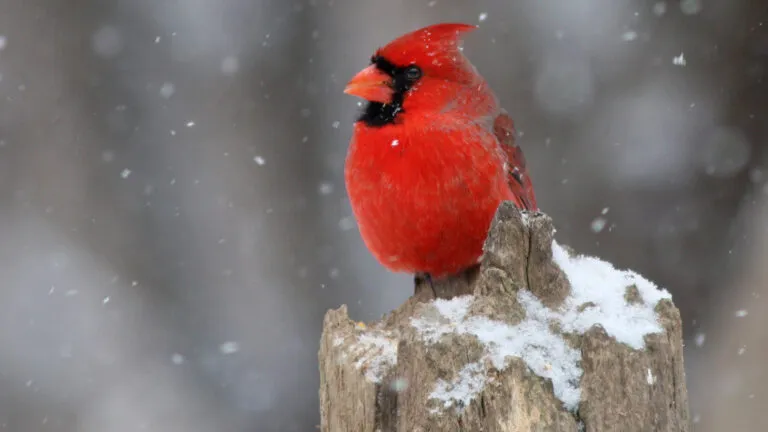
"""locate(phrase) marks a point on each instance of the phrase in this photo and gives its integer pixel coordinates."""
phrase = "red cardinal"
(432, 155)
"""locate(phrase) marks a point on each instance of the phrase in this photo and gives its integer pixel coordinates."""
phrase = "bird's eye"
(413, 73)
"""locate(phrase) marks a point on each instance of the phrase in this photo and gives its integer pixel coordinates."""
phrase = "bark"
(401, 375)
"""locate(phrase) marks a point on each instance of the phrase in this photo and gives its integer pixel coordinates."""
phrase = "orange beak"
(371, 84)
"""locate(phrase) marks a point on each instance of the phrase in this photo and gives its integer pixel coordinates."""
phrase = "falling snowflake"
(230, 65)
(229, 347)
(598, 224)
(167, 90)
(629, 36)
(325, 188)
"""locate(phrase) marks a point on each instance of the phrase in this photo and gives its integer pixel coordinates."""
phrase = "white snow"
(346, 223)
(325, 188)
(649, 378)
(679, 60)
(525, 217)
(700, 339)
(690, 7)
(107, 41)
(598, 224)
(546, 353)
(229, 347)
(167, 90)
(470, 382)
(597, 281)
(399, 384)
(375, 352)
(230, 65)
(629, 36)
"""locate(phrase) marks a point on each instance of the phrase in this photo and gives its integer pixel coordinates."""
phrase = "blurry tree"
(172, 206)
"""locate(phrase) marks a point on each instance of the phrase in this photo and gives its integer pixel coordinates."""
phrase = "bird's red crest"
(433, 46)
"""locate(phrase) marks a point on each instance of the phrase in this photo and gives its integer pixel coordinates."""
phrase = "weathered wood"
(517, 352)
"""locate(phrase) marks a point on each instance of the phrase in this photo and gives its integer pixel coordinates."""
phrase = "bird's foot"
(424, 278)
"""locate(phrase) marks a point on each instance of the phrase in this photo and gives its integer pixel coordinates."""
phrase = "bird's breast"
(424, 199)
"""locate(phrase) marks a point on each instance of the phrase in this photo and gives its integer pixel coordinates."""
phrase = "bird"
(432, 155)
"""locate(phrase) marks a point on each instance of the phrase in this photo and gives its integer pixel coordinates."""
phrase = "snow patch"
(470, 382)
(597, 287)
(544, 352)
(525, 217)
(597, 283)
(375, 353)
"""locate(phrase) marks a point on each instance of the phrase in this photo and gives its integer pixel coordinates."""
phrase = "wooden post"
(535, 339)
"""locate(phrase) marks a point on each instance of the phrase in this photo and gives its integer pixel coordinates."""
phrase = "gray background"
(173, 220)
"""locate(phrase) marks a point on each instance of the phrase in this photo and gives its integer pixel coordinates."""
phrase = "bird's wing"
(517, 172)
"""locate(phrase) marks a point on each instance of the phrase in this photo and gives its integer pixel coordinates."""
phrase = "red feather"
(517, 172)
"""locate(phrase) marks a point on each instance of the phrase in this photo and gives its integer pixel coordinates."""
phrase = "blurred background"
(173, 218)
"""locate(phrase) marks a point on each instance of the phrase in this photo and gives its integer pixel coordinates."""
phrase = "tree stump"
(534, 339)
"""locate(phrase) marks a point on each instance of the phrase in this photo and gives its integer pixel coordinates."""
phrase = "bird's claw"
(420, 278)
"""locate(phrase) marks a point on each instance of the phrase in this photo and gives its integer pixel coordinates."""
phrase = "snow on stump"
(536, 339)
